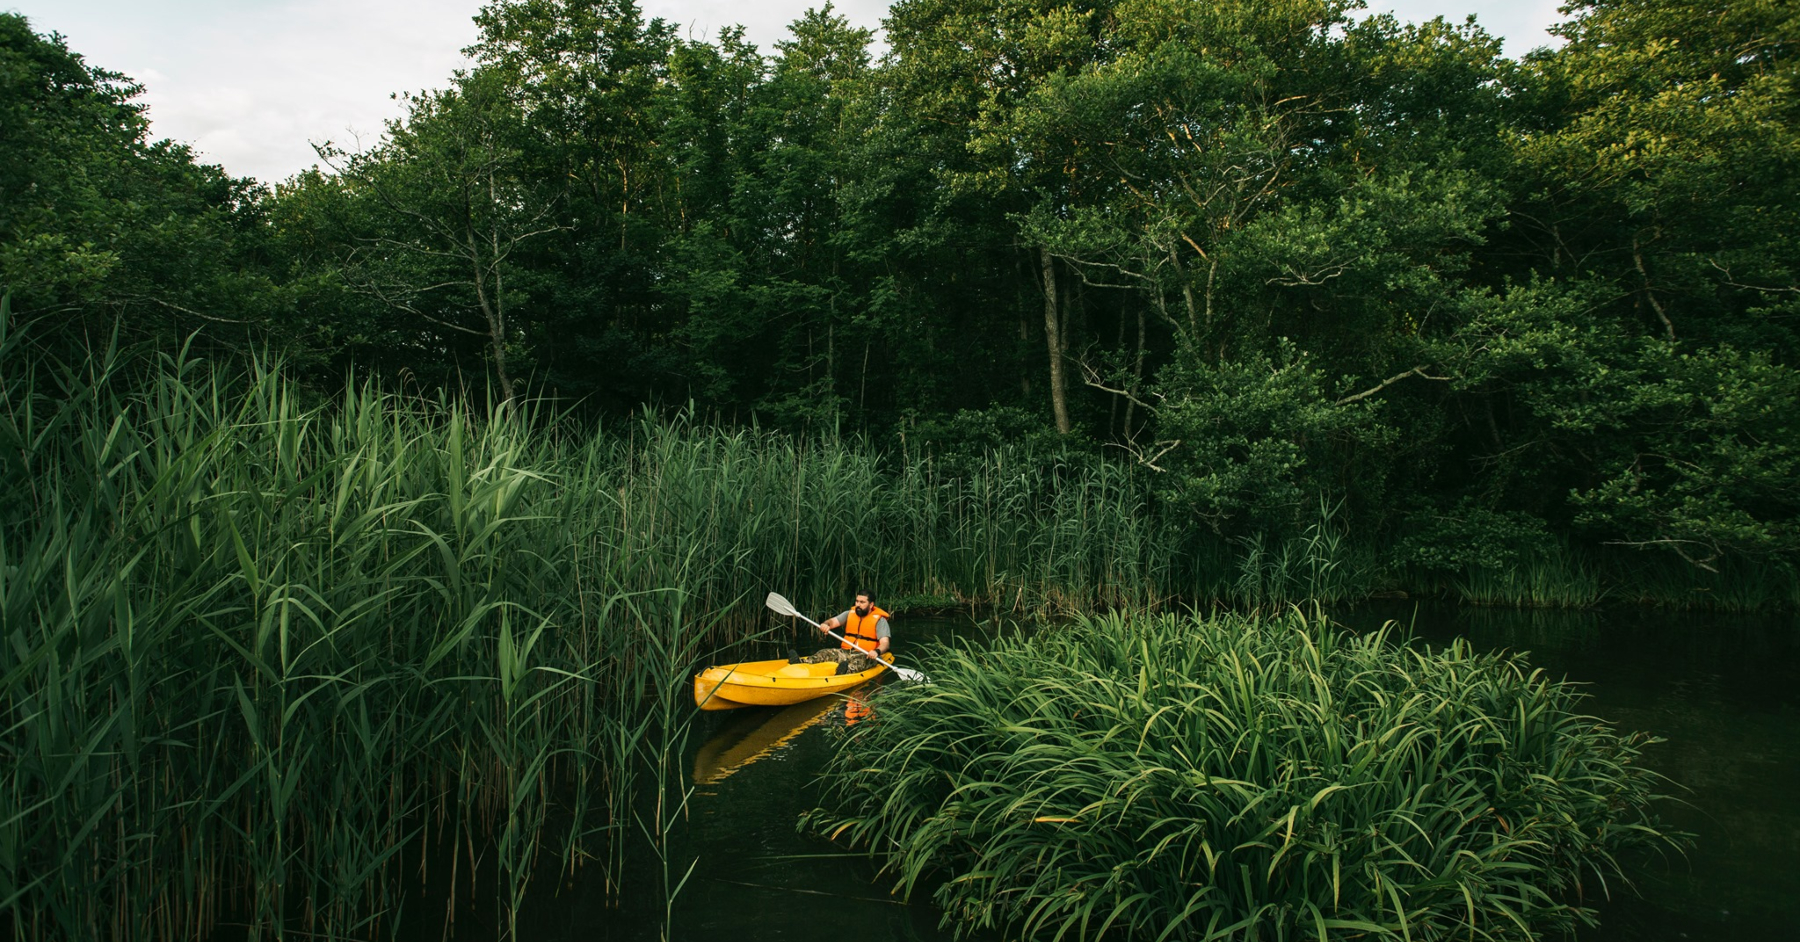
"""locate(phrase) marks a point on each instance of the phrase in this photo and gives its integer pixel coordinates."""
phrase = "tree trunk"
(1053, 339)
(1637, 256)
(1022, 355)
(1112, 420)
(493, 311)
(1137, 373)
(506, 384)
(1021, 359)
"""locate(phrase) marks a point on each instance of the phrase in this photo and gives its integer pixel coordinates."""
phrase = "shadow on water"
(1723, 690)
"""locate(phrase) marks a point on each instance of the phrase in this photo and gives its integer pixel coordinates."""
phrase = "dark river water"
(1723, 690)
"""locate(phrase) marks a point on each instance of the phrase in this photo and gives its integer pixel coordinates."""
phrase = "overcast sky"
(248, 83)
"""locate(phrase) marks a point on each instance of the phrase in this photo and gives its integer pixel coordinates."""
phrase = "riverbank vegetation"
(1234, 777)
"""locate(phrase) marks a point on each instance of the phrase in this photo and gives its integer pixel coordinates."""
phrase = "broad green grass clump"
(1239, 778)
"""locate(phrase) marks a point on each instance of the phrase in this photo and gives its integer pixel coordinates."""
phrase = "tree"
(1290, 210)
(966, 67)
(592, 80)
(1666, 158)
(1630, 385)
(108, 230)
(453, 206)
(777, 305)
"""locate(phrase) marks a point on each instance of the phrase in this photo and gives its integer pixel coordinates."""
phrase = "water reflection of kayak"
(734, 747)
(772, 683)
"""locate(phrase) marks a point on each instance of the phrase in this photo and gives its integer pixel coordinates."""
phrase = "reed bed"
(1319, 565)
(1569, 577)
(1561, 577)
(1183, 778)
(255, 653)
(1733, 585)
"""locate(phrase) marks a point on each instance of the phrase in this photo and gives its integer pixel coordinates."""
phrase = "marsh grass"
(1731, 584)
(254, 650)
(1318, 565)
(1568, 576)
(1561, 577)
(1243, 778)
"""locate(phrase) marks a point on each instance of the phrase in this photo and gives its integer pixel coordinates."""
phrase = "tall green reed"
(1318, 565)
(253, 650)
(828, 516)
(1562, 577)
(1728, 584)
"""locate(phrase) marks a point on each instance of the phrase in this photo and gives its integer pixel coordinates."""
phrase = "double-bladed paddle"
(782, 606)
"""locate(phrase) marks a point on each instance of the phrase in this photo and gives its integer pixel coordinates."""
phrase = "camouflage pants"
(848, 662)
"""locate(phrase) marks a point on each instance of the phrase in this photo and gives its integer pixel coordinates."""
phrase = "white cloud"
(764, 22)
(1520, 24)
(249, 83)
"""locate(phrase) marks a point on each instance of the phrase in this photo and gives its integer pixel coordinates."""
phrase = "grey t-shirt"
(881, 625)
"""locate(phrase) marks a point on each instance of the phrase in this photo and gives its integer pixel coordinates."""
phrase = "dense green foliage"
(1241, 778)
(101, 229)
(1491, 310)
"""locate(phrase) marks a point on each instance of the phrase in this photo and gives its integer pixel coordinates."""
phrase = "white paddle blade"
(780, 605)
(909, 675)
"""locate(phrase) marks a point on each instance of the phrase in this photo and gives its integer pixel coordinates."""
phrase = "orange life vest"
(861, 629)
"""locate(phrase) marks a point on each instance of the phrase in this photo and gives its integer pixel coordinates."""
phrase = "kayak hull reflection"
(752, 735)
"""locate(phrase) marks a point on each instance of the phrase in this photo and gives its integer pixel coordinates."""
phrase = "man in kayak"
(866, 626)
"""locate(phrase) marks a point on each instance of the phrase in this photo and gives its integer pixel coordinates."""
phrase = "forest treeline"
(1307, 270)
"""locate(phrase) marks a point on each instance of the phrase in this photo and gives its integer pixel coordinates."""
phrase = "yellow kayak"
(771, 683)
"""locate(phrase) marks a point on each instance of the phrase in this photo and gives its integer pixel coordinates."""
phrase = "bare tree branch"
(1675, 545)
(1729, 279)
(186, 310)
(1091, 377)
(1137, 453)
(1637, 256)
(1418, 371)
(1297, 279)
